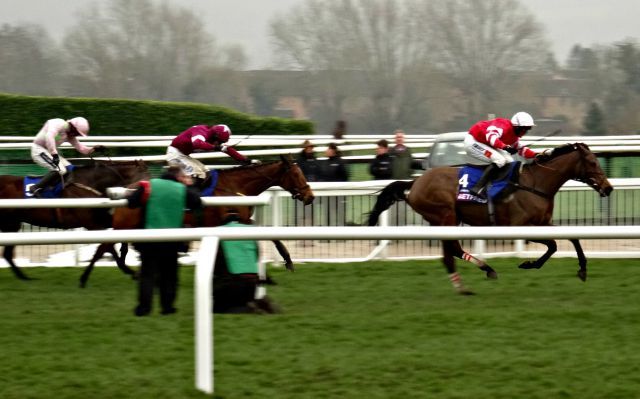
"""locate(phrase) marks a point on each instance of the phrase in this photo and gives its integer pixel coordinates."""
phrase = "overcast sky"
(245, 22)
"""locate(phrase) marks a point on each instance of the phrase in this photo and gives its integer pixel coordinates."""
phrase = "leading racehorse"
(433, 195)
(242, 180)
(84, 181)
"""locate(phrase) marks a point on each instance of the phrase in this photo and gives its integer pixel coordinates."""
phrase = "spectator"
(340, 130)
(164, 201)
(236, 277)
(308, 162)
(401, 158)
(380, 167)
(334, 168)
(311, 169)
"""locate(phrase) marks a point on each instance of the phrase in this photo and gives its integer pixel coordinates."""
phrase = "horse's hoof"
(582, 275)
(289, 266)
(529, 265)
(492, 275)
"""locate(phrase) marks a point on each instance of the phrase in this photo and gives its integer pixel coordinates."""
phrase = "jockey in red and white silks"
(496, 140)
(493, 142)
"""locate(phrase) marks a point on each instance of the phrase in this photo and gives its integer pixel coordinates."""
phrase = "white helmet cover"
(522, 119)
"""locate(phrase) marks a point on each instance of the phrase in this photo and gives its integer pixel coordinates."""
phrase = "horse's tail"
(389, 195)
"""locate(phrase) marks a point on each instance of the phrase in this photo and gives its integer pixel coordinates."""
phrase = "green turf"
(370, 330)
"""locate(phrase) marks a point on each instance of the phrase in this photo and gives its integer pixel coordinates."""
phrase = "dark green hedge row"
(25, 115)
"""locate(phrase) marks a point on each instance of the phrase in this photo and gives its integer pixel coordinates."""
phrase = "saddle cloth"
(470, 174)
(49, 192)
(208, 190)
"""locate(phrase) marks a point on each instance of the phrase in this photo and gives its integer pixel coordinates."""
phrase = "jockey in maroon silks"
(494, 142)
(201, 138)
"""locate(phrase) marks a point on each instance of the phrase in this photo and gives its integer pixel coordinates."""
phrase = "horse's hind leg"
(582, 260)
(458, 252)
(552, 247)
(449, 248)
(8, 256)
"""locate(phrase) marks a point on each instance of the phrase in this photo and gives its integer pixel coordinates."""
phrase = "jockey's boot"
(486, 177)
(50, 179)
(197, 182)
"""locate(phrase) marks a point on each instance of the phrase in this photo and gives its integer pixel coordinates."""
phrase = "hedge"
(25, 115)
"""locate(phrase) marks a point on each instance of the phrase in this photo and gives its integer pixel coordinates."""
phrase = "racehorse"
(247, 180)
(84, 181)
(433, 195)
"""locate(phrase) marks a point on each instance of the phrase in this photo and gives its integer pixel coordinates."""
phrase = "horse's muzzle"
(605, 191)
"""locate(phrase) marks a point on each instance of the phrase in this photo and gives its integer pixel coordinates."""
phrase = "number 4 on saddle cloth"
(48, 192)
(496, 189)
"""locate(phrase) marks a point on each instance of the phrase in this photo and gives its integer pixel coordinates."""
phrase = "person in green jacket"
(163, 201)
(236, 276)
(401, 158)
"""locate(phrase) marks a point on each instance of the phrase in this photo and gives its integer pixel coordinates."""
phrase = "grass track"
(370, 330)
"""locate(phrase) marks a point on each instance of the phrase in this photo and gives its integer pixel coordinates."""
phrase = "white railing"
(286, 144)
(210, 238)
(275, 203)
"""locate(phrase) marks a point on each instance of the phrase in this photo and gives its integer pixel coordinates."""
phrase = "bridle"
(588, 181)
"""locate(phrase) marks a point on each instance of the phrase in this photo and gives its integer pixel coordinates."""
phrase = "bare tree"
(479, 42)
(29, 62)
(365, 55)
(142, 49)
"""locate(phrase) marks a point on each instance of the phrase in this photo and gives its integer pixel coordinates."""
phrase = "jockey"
(494, 142)
(44, 150)
(197, 139)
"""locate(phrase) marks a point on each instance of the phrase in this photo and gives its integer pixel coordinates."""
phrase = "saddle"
(497, 189)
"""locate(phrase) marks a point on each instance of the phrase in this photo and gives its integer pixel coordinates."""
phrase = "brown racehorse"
(85, 181)
(433, 195)
(242, 180)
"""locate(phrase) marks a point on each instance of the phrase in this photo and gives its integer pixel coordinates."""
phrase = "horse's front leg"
(449, 248)
(582, 260)
(284, 252)
(100, 251)
(8, 256)
(120, 260)
(552, 247)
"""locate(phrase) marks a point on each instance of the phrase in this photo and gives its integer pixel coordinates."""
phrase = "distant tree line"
(378, 64)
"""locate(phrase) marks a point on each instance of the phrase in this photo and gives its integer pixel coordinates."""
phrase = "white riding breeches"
(43, 157)
(485, 154)
(191, 167)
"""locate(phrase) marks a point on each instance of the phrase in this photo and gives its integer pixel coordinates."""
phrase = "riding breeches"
(43, 157)
(190, 166)
(485, 154)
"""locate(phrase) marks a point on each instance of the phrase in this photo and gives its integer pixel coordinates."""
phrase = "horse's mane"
(560, 151)
(247, 167)
(110, 163)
